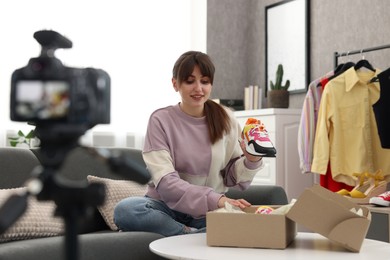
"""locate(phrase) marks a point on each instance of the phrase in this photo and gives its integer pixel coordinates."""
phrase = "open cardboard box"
(249, 230)
(318, 209)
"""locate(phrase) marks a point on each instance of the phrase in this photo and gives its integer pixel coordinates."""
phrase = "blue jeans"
(150, 215)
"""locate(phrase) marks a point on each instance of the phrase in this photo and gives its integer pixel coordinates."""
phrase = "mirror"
(287, 42)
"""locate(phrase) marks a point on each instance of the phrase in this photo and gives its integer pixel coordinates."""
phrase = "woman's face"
(194, 92)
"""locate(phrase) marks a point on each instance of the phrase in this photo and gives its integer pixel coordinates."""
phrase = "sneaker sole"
(379, 202)
(267, 152)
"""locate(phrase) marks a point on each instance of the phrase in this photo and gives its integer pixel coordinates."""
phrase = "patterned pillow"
(37, 221)
(116, 190)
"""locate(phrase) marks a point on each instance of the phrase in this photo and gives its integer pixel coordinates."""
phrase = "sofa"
(39, 234)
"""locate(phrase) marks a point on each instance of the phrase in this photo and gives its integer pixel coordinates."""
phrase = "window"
(136, 42)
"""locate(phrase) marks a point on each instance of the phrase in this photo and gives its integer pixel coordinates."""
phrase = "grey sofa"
(96, 240)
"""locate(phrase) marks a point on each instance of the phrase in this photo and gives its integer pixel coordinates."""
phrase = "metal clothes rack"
(337, 54)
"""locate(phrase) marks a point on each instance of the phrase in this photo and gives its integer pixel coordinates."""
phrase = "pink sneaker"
(381, 200)
(256, 139)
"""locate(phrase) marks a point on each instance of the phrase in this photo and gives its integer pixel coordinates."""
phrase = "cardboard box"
(249, 230)
(318, 209)
(330, 215)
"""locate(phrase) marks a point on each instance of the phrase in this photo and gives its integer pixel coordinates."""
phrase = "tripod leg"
(71, 234)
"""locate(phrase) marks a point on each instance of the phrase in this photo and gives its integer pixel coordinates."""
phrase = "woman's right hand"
(241, 203)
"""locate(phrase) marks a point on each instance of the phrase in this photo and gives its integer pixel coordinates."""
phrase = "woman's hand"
(249, 156)
(241, 203)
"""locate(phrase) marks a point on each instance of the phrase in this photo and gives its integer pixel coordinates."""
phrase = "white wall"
(136, 42)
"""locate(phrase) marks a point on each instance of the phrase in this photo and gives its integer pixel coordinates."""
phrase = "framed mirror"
(287, 42)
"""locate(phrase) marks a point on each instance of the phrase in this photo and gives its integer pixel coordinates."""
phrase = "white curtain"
(136, 42)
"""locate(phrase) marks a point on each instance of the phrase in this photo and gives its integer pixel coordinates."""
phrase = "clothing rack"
(337, 54)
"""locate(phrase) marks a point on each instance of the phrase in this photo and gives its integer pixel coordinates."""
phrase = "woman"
(193, 154)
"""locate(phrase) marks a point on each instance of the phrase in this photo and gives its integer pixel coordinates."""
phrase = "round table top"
(305, 246)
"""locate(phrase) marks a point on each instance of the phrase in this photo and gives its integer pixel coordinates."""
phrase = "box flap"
(331, 215)
(337, 198)
(348, 233)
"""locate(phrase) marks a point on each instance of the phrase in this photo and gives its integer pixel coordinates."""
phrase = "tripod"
(73, 199)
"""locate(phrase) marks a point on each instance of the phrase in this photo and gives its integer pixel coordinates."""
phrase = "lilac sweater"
(189, 173)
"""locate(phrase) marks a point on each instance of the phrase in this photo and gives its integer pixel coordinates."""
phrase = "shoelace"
(385, 195)
(259, 132)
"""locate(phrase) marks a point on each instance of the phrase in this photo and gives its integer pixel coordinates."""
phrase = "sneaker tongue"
(252, 121)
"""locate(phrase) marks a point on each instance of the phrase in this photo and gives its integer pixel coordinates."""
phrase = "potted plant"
(278, 96)
(22, 140)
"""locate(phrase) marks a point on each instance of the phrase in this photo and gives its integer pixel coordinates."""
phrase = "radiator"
(110, 139)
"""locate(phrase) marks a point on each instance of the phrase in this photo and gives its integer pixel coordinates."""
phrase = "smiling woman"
(134, 43)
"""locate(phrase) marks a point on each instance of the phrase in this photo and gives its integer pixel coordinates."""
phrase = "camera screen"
(42, 100)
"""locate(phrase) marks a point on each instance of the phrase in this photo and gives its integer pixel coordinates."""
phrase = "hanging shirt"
(307, 124)
(346, 133)
(308, 121)
(382, 109)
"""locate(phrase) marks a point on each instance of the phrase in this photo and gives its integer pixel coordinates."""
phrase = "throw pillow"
(116, 190)
(37, 221)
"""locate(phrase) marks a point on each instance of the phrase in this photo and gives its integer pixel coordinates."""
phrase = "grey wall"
(236, 39)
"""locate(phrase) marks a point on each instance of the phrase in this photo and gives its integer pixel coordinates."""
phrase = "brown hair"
(218, 120)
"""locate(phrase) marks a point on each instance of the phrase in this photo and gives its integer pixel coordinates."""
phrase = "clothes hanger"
(346, 66)
(374, 79)
(363, 63)
(340, 69)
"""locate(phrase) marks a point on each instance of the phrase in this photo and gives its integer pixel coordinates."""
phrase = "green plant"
(21, 138)
(279, 78)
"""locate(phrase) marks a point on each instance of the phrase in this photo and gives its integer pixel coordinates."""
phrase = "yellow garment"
(346, 133)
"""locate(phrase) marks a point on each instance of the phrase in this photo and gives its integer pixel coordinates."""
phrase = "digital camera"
(46, 92)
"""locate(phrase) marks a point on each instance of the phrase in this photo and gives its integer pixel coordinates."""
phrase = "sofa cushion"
(16, 166)
(260, 195)
(116, 190)
(37, 221)
(94, 246)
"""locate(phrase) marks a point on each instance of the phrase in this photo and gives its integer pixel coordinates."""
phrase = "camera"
(62, 102)
(45, 92)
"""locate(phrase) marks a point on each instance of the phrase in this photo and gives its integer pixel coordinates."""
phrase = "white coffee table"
(305, 246)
